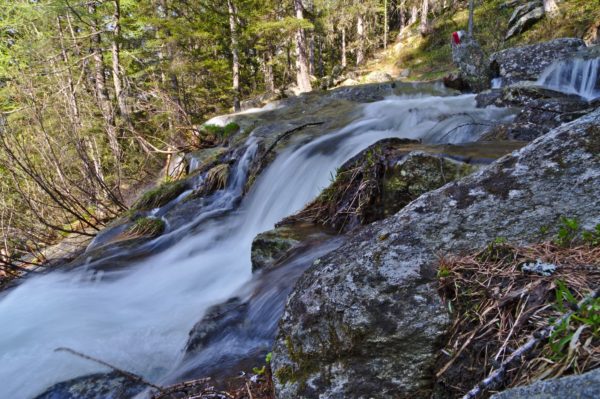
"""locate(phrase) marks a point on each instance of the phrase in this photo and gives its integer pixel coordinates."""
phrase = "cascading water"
(139, 318)
(574, 76)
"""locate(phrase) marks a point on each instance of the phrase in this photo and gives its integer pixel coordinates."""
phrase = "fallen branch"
(497, 375)
(127, 374)
(288, 133)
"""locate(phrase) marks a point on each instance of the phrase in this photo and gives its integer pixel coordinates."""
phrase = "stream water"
(139, 318)
(574, 76)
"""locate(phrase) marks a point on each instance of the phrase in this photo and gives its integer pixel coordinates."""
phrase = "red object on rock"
(456, 37)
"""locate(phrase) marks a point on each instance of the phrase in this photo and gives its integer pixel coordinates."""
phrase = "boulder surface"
(365, 320)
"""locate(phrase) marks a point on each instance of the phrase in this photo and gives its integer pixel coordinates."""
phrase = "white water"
(574, 76)
(139, 320)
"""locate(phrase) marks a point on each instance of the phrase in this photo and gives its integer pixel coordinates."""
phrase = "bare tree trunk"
(414, 14)
(550, 7)
(424, 27)
(385, 23)
(360, 31)
(344, 58)
(471, 11)
(116, 63)
(311, 54)
(302, 71)
(268, 71)
(100, 85)
(235, 55)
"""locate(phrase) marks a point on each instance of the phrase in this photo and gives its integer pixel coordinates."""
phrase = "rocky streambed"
(315, 232)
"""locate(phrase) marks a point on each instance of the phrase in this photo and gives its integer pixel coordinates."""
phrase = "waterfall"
(574, 76)
(138, 319)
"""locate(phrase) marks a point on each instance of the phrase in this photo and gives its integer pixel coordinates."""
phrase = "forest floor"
(430, 57)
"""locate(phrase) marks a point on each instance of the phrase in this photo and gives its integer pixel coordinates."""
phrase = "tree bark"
(344, 58)
(414, 14)
(471, 12)
(360, 31)
(550, 7)
(302, 71)
(268, 71)
(100, 85)
(235, 55)
(116, 63)
(385, 23)
(424, 27)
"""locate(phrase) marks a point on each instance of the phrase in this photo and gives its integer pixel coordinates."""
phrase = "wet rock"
(584, 386)
(540, 107)
(202, 159)
(517, 131)
(215, 324)
(96, 386)
(528, 62)
(455, 81)
(273, 246)
(365, 321)
(473, 65)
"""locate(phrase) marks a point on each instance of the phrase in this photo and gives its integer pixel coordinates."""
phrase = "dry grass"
(497, 307)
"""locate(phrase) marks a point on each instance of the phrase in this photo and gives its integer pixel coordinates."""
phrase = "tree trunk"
(344, 58)
(268, 71)
(471, 12)
(235, 55)
(116, 66)
(100, 85)
(385, 23)
(550, 7)
(360, 31)
(302, 72)
(424, 27)
(414, 14)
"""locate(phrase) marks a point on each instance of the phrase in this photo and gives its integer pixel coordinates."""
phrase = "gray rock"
(366, 320)
(541, 110)
(515, 131)
(528, 62)
(96, 386)
(525, 22)
(584, 386)
(472, 63)
(273, 246)
(522, 10)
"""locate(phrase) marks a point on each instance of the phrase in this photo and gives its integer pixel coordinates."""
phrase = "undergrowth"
(503, 295)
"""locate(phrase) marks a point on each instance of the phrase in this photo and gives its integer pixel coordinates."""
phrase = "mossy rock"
(377, 183)
(271, 247)
(160, 195)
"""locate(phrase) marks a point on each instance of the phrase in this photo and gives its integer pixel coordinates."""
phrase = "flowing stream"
(574, 76)
(138, 318)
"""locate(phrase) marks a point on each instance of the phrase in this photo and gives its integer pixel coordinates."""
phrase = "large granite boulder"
(365, 320)
(528, 62)
(584, 386)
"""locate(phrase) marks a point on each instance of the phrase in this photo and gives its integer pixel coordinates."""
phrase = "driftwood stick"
(497, 375)
(289, 132)
(127, 374)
